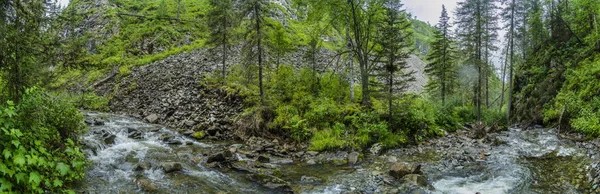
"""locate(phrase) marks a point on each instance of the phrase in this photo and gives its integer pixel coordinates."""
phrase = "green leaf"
(62, 168)
(5, 185)
(5, 170)
(20, 177)
(7, 154)
(57, 183)
(19, 160)
(35, 178)
(16, 143)
(78, 164)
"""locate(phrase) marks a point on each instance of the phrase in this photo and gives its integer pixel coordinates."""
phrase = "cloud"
(429, 10)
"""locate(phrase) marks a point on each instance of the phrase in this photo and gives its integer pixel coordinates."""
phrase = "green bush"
(329, 139)
(87, 101)
(38, 151)
(417, 118)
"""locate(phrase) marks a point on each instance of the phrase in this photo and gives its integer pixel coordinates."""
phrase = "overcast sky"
(430, 10)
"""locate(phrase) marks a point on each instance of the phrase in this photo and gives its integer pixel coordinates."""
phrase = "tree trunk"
(259, 47)
(512, 53)
(478, 59)
(390, 97)
(224, 60)
(350, 60)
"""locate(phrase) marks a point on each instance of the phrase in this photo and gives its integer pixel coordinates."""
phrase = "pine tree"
(221, 22)
(512, 14)
(395, 39)
(21, 27)
(441, 69)
(474, 20)
(257, 11)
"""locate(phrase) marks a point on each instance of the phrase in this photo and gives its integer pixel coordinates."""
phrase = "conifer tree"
(441, 68)
(221, 22)
(474, 21)
(396, 43)
(258, 12)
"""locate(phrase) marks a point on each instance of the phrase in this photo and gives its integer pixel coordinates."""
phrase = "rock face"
(173, 92)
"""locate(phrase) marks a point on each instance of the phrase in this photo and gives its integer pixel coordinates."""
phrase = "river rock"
(401, 169)
(311, 162)
(190, 123)
(89, 122)
(169, 167)
(107, 137)
(99, 122)
(312, 153)
(415, 179)
(141, 166)
(219, 157)
(134, 133)
(375, 149)
(153, 118)
(309, 180)
(263, 159)
(353, 158)
(145, 185)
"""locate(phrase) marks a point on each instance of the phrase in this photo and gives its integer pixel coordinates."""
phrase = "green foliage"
(87, 101)
(329, 139)
(198, 135)
(417, 117)
(578, 102)
(38, 153)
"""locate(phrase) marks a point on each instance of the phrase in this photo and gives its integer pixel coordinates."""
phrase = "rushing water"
(533, 161)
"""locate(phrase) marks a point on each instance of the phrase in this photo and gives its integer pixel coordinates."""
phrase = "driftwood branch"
(113, 74)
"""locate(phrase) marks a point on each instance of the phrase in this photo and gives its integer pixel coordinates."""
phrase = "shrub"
(328, 139)
(417, 118)
(38, 151)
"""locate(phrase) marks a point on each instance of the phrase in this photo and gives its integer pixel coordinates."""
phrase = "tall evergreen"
(474, 20)
(512, 14)
(441, 69)
(395, 39)
(221, 21)
(22, 24)
(258, 12)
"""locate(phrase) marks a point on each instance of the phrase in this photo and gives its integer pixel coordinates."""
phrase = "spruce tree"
(257, 11)
(21, 47)
(441, 68)
(395, 39)
(221, 20)
(512, 14)
(475, 18)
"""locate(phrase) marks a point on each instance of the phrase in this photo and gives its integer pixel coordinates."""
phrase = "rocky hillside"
(172, 90)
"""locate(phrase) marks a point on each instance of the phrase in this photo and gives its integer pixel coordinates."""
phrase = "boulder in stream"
(145, 185)
(219, 157)
(169, 167)
(134, 133)
(401, 169)
(99, 122)
(415, 179)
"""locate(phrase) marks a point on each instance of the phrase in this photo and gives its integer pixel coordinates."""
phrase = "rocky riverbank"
(536, 160)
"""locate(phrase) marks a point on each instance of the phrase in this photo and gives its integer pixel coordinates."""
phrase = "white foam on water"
(470, 185)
